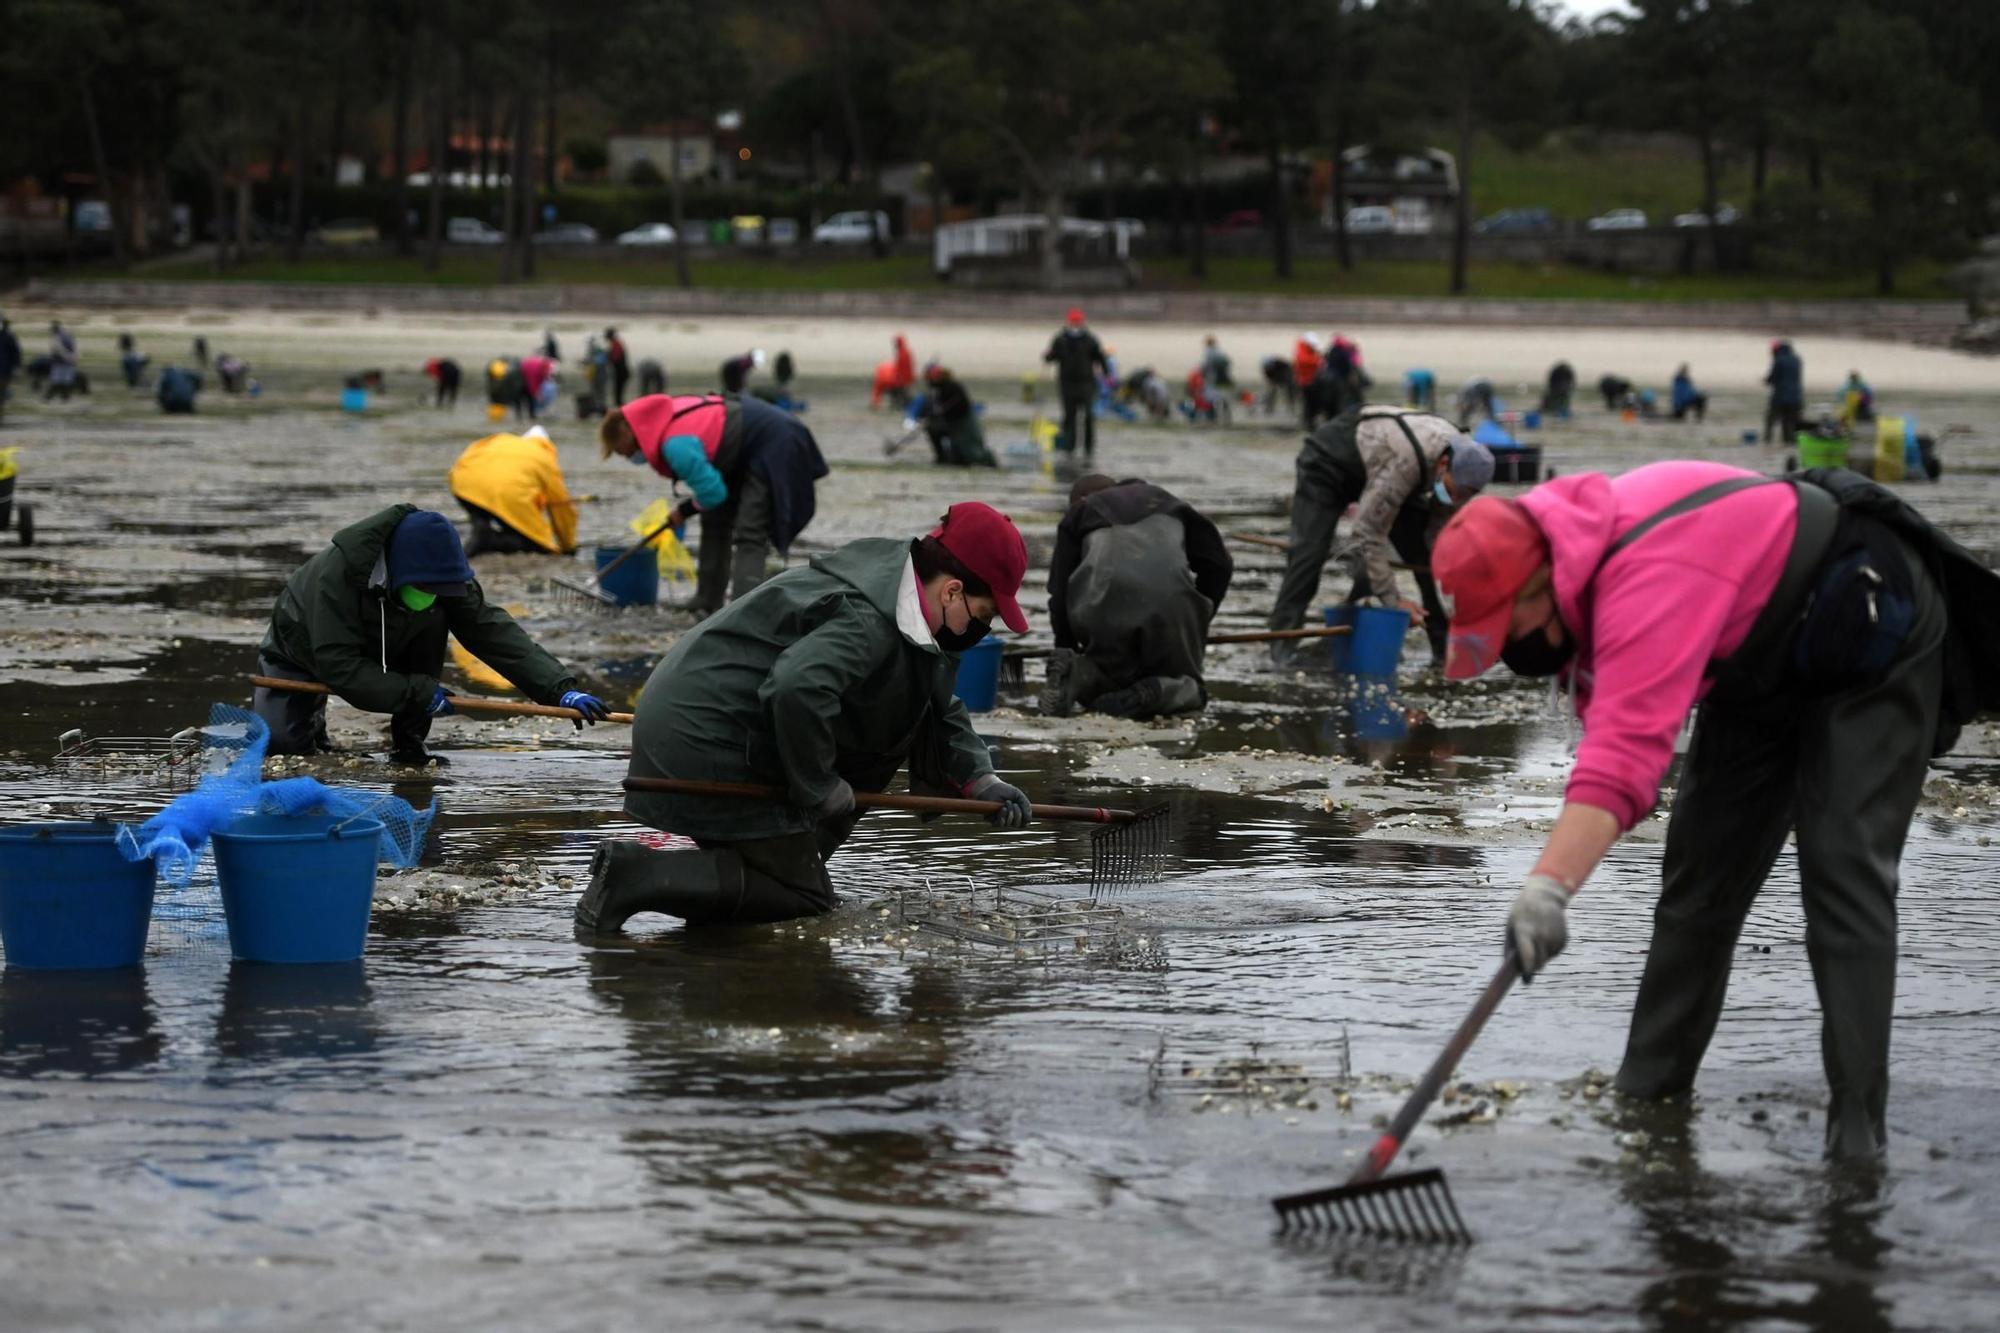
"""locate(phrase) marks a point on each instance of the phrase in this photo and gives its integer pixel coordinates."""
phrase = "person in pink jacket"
(1808, 636)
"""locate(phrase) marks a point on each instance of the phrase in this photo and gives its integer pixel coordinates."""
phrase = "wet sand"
(855, 1123)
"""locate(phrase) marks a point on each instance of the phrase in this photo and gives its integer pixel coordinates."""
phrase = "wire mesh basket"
(164, 763)
(1017, 919)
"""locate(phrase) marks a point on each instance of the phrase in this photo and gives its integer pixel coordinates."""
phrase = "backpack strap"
(1691, 501)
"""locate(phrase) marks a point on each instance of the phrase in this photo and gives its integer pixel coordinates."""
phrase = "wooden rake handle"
(877, 800)
(1280, 544)
(1248, 636)
(463, 703)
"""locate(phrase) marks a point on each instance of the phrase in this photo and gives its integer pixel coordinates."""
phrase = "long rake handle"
(1432, 1082)
(1280, 544)
(877, 800)
(1249, 636)
(463, 703)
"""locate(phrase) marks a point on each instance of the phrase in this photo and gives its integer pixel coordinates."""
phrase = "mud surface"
(861, 1122)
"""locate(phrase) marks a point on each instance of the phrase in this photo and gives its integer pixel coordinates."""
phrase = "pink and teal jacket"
(1649, 623)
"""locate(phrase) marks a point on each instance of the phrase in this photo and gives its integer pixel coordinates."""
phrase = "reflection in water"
(276, 1011)
(92, 1022)
(1712, 1235)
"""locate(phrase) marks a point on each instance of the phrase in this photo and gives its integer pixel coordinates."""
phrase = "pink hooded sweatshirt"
(656, 417)
(1649, 623)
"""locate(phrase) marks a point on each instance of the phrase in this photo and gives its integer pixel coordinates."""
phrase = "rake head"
(1412, 1206)
(585, 596)
(1013, 670)
(1130, 851)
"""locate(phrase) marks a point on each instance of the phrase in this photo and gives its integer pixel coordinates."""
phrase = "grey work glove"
(1537, 924)
(1015, 809)
(836, 804)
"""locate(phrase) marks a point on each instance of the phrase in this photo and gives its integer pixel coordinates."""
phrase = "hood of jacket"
(1579, 516)
(874, 568)
(364, 546)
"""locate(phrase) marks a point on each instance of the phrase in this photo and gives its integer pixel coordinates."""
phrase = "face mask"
(1443, 495)
(1533, 655)
(958, 640)
(637, 458)
(416, 598)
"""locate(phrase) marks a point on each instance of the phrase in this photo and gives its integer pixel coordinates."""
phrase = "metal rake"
(1415, 1205)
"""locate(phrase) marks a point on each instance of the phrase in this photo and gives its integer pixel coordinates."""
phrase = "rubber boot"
(1057, 694)
(627, 878)
(1857, 995)
(746, 570)
(1680, 999)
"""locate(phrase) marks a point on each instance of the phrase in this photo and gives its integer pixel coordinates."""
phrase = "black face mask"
(958, 640)
(1533, 655)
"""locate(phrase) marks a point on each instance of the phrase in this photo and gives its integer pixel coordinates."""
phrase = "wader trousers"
(1845, 772)
(1328, 481)
(734, 539)
(747, 883)
(495, 535)
(298, 721)
(1079, 424)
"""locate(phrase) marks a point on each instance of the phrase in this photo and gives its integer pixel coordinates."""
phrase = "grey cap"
(1471, 465)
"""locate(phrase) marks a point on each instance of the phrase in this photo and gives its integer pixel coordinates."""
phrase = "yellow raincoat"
(517, 479)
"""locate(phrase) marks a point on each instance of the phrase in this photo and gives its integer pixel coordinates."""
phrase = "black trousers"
(492, 533)
(1316, 511)
(298, 721)
(734, 541)
(1845, 773)
(1079, 424)
(1785, 418)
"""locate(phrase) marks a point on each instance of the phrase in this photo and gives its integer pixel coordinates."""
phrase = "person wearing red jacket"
(1830, 642)
(894, 377)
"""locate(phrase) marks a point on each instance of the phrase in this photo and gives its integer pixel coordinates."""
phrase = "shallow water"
(850, 1123)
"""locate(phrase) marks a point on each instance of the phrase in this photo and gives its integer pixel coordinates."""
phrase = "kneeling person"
(512, 489)
(1136, 578)
(822, 682)
(368, 617)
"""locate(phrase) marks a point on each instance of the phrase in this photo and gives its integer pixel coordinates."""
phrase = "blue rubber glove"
(589, 705)
(441, 703)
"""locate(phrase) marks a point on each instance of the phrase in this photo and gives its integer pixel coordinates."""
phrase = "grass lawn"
(1248, 274)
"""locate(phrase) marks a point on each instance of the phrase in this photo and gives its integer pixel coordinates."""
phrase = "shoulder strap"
(1403, 425)
(1691, 501)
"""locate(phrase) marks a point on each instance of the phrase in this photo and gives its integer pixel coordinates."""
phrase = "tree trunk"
(1341, 249)
(1705, 139)
(295, 238)
(682, 274)
(510, 205)
(337, 141)
(1760, 161)
(1814, 180)
(399, 148)
(440, 127)
(484, 97)
(101, 165)
(850, 120)
(1198, 243)
(242, 212)
(524, 173)
(1052, 220)
(1885, 254)
(549, 117)
(1461, 228)
(1281, 214)
(937, 201)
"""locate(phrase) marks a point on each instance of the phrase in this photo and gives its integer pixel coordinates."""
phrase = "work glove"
(684, 511)
(441, 703)
(589, 705)
(1015, 808)
(1537, 924)
(836, 804)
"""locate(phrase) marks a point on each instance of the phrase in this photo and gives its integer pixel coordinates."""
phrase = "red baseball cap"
(990, 547)
(1488, 550)
(1075, 315)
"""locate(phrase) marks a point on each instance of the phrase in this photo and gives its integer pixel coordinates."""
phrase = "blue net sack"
(233, 748)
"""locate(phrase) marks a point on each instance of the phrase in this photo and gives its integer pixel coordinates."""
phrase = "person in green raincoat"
(368, 618)
(823, 681)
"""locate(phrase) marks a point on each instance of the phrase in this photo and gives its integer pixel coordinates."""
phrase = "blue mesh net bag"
(234, 743)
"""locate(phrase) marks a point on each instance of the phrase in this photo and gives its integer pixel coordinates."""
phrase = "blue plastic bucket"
(1336, 644)
(1531, 419)
(70, 899)
(354, 400)
(978, 686)
(1376, 646)
(634, 583)
(298, 888)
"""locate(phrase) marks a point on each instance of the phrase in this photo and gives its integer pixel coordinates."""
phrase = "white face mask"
(1443, 495)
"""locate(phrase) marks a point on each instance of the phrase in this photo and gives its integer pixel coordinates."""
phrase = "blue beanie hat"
(424, 550)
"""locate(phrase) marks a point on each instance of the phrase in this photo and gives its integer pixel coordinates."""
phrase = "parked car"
(471, 231)
(1725, 216)
(782, 231)
(1239, 222)
(850, 228)
(92, 215)
(1618, 219)
(567, 233)
(1516, 222)
(1370, 220)
(649, 233)
(349, 231)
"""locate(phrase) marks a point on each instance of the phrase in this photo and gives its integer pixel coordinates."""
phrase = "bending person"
(1807, 618)
(750, 466)
(823, 683)
(512, 489)
(368, 616)
(1136, 578)
(1382, 461)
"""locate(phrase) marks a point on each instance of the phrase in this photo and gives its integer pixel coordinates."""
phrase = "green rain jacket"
(805, 681)
(337, 621)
